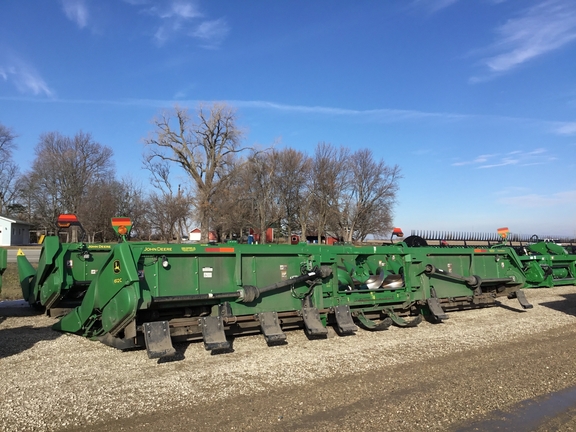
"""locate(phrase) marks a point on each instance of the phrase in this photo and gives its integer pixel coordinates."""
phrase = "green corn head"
(63, 274)
(151, 294)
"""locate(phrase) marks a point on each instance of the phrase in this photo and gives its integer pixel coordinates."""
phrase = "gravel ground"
(457, 375)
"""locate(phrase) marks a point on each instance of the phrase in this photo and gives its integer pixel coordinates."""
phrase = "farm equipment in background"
(3, 264)
(501, 236)
(64, 270)
(545, 263)
(149, 295)
(478, 275)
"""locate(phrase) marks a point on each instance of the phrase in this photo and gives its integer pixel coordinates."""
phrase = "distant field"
(10, 284)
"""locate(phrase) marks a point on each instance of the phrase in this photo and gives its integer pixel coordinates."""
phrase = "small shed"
(195, 235)
(14, 232)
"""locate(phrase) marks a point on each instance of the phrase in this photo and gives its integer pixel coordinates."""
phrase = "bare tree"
(7, 144)
(166, 213)
(100, 206)
(9, 171)
(63, 170)
(328, 182)
(130, 202)
(346, 194)
(371, 193)
(259, 187)
(206, 150)
(168, 208)
(28, 197)
(232, 208)
(292, 176)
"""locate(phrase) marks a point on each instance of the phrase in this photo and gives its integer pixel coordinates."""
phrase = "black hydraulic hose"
(247, 293)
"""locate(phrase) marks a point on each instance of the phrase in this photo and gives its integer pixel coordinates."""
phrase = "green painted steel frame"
(150, 280)
(61, 268)
(3, 264)
(547, 264)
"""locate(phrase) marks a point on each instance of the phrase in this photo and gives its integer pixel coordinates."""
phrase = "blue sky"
(475, 100)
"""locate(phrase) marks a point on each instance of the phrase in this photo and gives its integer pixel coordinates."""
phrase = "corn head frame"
(143, 294)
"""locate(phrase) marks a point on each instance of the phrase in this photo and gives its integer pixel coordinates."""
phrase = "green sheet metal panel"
(84, 260)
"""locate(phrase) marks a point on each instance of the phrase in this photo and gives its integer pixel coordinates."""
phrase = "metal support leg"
(521, 296)
(213, 333)
(270, 325)
(157, 338)
(344, 320)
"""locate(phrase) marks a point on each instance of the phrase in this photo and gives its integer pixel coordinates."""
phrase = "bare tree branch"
(205, 150)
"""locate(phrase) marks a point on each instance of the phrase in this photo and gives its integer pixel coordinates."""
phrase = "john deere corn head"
(149, 295)
(64, 271)
(545, 263)
(3, 264)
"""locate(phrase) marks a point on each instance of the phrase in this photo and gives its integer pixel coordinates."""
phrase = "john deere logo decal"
(117, 266)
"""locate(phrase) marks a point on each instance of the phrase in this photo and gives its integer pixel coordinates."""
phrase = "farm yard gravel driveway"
(470, 371)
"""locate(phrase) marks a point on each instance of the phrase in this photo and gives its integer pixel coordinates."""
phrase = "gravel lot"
(449, 376)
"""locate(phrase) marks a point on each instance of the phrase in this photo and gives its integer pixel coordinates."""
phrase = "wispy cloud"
(212, 33)
(390, 115)
(184, 18)
(137, 2)
(76, 11)
(423, 152)
(477, 160)
(513, 190)
(386, 115)
(179, 10)
(382, 115)
(433, 5)
(23, 76)
(545, 27)
(538, 201)
(568, 128)
(538, 156)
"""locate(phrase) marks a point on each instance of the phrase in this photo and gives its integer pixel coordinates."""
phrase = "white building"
(14, 232)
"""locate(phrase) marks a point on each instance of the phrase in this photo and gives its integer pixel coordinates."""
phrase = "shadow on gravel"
(16, 308)
(179, 356)
(181, 348)
(568, 305)
(19, 339)
(528, 415)
(222, 351)
(15, 340)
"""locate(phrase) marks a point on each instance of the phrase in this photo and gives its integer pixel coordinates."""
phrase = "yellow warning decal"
(21, 252)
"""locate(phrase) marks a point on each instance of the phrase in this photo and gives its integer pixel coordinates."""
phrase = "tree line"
(225, 187)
